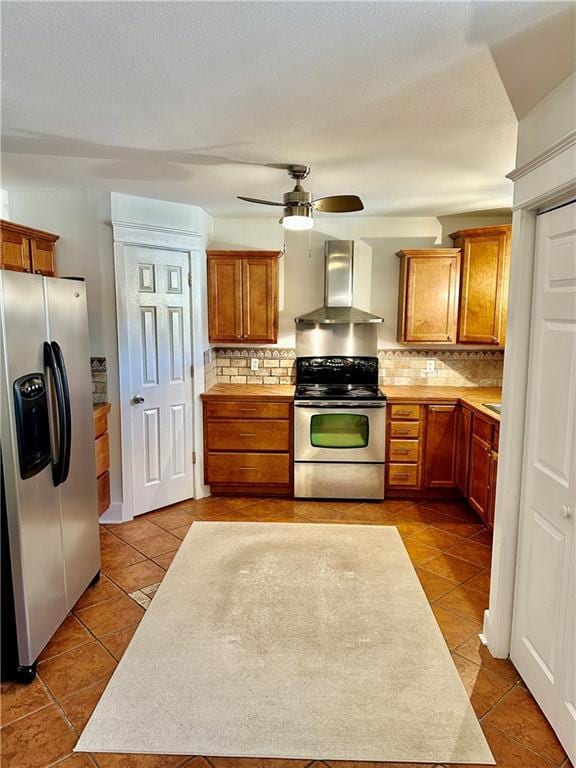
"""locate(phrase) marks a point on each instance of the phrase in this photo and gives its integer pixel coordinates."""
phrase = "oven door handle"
(338, 404)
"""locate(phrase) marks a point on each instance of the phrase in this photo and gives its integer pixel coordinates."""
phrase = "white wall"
(548, 122)
(4, 205)
(376, 266)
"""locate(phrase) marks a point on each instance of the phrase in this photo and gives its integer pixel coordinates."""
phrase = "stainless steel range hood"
(338, 309)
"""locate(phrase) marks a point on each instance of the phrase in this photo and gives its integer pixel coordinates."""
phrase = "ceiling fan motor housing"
(298, 202)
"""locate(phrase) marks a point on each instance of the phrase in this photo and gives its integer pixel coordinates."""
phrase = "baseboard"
(113, 514)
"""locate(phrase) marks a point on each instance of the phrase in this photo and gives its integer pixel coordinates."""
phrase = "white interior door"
(158, 318)
(543, 637)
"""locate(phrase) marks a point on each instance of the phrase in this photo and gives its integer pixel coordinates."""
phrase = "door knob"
(137, 400)
(565, 512)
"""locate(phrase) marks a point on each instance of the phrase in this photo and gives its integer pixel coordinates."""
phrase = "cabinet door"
(42, 257)
(463, 432)
(479, 475)
(431, 299)
(225, 299)
(259, 299)
(483, 292)
(440, 446)
(492, 489)
(15, 251)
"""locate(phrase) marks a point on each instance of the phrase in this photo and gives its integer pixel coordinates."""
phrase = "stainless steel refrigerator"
(50, 543)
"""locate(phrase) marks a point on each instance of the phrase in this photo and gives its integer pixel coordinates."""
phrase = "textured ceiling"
(401, 103)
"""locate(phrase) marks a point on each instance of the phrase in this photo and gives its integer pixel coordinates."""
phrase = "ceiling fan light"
(298, 220)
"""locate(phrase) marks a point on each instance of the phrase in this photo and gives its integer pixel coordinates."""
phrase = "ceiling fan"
(299, 206)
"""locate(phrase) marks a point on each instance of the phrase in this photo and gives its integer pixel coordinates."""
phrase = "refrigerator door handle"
(50, 364)
(59, 357)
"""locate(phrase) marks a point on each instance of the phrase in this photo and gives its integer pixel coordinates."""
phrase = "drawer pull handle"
(402, 451)
(247, 434)
(400, 476)
(247, 409)
(401, 431)
(245, 469)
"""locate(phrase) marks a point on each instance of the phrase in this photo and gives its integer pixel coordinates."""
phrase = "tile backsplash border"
(99, 371)
(472, 368)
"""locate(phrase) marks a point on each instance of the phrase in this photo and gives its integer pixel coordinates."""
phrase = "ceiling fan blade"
(338, 204)
(255, 200)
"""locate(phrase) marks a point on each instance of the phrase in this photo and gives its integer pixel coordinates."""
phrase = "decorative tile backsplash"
(458, 368)
(99, 380)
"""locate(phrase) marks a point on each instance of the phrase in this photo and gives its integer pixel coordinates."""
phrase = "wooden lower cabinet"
(463, 435)
(248, 447)
(440, 451)
(483, 468)
(443, 450)
(492, 489)
(404, 447)
(102, 448)
(479, 475)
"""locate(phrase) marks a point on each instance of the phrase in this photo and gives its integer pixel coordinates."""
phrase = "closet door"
(543, 628)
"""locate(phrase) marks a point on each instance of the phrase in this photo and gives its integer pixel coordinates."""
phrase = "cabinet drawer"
(102, 454)
(234, 409)
(103, 492)
(269, 468)
(407, 411)
(404, 450)
(403, 474)
(248, 435)
(404, 429)
(482, 428)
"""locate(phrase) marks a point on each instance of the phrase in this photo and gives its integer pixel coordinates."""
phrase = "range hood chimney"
(339, 270)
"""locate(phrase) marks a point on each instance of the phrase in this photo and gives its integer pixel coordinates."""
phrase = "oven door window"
(339, 430)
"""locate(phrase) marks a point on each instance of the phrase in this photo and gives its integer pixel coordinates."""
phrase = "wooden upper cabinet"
(27, 250)
(428, 301)
(484, 283)
(440, 453)
(243, 296)
(225, 299)
(260, 299)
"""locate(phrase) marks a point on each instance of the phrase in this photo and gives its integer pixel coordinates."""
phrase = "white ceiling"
(399, 102)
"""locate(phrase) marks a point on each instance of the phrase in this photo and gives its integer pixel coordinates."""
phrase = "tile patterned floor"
(450, 550)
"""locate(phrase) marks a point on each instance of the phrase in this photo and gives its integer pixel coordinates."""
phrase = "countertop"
(280, 392)
(473, 397)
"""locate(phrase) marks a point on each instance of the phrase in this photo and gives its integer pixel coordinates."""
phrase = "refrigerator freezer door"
(33, 509)
(68, 327)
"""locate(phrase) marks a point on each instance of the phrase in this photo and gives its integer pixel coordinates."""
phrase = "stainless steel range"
(339, 428)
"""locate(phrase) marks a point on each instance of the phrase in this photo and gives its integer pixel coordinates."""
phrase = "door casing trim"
(169, 239)
(549, 182)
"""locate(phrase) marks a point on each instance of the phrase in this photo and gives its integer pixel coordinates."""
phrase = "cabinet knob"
(565, 511)
(494, 340)
(449, 338)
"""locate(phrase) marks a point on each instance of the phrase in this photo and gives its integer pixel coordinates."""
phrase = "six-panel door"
(160, 376)
(543, 636)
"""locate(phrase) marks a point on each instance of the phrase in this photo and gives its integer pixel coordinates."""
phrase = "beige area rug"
(294, 641)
